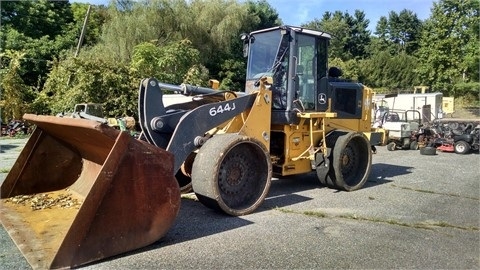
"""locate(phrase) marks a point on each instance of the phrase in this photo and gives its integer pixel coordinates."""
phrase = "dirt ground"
(465, 112)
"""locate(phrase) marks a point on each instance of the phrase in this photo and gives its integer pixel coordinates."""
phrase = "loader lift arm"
(180, 132)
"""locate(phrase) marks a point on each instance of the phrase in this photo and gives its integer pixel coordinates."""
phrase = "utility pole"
(80, 40)
(82, 34)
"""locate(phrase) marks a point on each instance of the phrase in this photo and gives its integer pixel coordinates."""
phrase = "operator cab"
(297, 60)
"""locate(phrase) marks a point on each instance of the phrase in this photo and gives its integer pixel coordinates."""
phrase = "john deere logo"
(322, 98)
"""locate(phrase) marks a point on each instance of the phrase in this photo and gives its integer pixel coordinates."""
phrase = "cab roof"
(296, 29)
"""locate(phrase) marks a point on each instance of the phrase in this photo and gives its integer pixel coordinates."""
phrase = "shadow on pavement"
(195, 220)
(7, 147)
(382, 172)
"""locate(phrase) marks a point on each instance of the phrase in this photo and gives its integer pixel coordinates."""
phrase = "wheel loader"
(98, 192)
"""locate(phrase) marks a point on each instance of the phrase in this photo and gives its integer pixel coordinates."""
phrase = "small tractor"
(295, 116)
(403, 129)
(461, 136)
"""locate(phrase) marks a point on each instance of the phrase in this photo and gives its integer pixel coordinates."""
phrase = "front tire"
(352, 161)
(232, 173)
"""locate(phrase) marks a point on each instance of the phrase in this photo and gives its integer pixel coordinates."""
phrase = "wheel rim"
(236, 177)
(350, 163)
(232, 173)
(460, 147)
(352, 160)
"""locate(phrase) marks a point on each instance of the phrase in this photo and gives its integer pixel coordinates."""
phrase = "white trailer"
(428, 104)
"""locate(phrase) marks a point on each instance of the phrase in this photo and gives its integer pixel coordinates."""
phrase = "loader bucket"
(81, 191)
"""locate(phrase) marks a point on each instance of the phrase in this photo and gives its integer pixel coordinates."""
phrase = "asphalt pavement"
(415, 212)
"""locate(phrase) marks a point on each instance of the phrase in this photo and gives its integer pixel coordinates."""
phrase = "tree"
(350, 37)
(358, 35)
(98, 16)
(335, 25)
(86, 79)
(153, 21)
(232, 71)
(383, 70)
(41, 29)
(399, 33)
(36, 19)
(170, 63)
(14, 91)
(449, 48)
(261, 15)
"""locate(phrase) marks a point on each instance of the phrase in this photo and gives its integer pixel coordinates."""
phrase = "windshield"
(263, 53)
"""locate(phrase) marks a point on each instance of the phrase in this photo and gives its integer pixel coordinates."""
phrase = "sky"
(297, 12)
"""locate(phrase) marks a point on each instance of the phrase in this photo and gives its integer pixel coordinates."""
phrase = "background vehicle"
(456, 135)
(403, 129)
(15, 127)
(295, 116)
(94, 111)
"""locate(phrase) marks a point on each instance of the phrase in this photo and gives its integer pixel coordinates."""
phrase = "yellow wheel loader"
(81, 191)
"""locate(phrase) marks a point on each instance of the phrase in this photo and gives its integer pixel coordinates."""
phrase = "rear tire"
(232, 173)
(349, 161)
(462, 147)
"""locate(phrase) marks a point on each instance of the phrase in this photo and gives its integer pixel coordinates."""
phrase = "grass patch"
(417, 225)
(4, 170)
(434, 192)
(315, 214)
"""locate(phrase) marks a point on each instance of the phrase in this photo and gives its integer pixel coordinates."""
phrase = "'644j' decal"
(222, 108)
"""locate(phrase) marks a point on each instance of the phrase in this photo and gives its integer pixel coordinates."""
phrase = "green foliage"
(15, 94)
(197, 75)
(41, 29)
(233, 75)
(449, 47)
(36, 19)
(169, 63)
(335, 25)
(399, 33)
(350, 36)
(190, 41)
(145, 59)
(89, 80)
(143, 21)
(391, 72)
(98, 16)
(261, 15)
(349, 68)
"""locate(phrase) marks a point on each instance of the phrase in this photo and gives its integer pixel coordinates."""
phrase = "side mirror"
(245, 49)
(245, 39)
